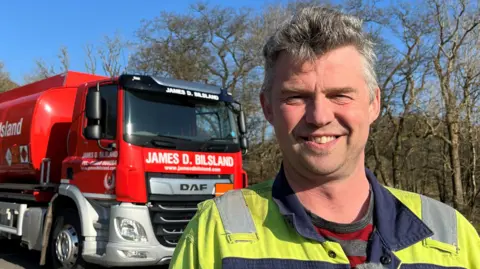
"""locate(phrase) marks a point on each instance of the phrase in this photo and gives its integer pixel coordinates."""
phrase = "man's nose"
(319, 111)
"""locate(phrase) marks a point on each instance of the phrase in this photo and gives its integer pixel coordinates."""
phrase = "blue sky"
(31, 29)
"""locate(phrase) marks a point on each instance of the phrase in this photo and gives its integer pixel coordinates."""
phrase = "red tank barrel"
(34, 123)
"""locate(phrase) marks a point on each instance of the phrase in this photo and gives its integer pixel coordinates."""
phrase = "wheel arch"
(71, 195)
(68, 196)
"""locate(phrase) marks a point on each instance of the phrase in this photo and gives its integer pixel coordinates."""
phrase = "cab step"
(11, 217)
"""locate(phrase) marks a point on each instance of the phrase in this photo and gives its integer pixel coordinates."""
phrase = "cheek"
(289, 115)
(358, 119)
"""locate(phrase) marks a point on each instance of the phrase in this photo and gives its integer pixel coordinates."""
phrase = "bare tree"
(6, 83)
(64, 59)
(44, 70)
(111, 54)
(456, 21)
(91, 59)
(407, 81)
(212, 45)
(467, 77)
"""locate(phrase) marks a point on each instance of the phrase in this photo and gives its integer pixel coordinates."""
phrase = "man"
(324, 209)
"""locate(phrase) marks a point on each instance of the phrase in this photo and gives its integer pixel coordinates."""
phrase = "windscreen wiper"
(215, 147)
(220, 139)
(173, 137)
(159, 142)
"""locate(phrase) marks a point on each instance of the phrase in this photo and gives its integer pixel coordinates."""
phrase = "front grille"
(171, 210)
(171, 214)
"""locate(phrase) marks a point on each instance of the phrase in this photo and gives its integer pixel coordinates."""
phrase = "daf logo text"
(193, 187)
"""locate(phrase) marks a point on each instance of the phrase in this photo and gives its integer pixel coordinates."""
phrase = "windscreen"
(154, 114)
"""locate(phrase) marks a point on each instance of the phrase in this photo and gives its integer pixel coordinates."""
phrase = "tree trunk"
(454, 150)
(396, 163)
(472, 193)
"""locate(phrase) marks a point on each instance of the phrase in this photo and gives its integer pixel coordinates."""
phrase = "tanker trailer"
(33, 120)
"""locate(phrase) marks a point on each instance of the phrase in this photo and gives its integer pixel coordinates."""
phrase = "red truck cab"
(137, 153)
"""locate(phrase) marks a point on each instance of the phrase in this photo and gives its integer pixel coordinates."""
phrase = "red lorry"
(109, 171)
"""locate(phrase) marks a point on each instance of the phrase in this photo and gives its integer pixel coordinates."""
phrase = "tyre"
(66, 244)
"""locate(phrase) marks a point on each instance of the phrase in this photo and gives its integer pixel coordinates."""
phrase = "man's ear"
(266, 106)
(375, 106)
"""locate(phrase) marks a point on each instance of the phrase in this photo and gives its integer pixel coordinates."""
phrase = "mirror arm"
(110, 147)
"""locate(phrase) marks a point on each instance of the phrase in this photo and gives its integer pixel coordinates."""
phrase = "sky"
(33, 30)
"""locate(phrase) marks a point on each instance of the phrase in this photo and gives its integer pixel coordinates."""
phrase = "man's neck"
(343, 200)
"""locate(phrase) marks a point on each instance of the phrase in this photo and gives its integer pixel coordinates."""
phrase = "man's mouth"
(320, 139)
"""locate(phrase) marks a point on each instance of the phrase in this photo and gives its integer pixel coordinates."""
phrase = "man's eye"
(342, 96)
(293, 99)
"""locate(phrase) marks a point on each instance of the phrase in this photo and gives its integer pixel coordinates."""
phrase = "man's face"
(321, 112)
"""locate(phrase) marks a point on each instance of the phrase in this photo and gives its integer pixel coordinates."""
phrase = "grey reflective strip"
(234, 213)
(441, 219)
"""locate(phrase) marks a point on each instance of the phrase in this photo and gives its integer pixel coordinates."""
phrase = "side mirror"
(93, 132)
(244, 142)
(242, 126)
(93, 113)
(93, 106)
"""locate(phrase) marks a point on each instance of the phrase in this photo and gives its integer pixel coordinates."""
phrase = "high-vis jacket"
(265, 226)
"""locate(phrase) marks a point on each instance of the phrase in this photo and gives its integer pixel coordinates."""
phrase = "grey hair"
(314, 31)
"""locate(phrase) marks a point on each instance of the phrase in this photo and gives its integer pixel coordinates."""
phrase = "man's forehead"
(335, 70)
(292, 66)
(347, 56)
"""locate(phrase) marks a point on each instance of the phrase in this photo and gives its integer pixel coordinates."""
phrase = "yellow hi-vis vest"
(264, 226)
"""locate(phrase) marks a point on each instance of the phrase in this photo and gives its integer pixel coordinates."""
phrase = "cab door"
(94, 170)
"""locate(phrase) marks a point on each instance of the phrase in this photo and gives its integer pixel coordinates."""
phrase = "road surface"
(12, 256)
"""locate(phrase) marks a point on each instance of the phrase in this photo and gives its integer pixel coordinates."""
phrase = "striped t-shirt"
(352, 237)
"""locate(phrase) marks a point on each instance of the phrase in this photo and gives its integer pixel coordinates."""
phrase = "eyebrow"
(341, 90)
(327, 91)
(292, 90)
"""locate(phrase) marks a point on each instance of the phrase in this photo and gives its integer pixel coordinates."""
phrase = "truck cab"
(146, 151)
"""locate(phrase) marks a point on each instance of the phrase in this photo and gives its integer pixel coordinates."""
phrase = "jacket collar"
(396, 224)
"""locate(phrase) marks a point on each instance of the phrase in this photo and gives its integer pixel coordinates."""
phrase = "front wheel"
(66, 242)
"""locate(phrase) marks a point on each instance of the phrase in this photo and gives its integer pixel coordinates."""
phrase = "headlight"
(130, 230)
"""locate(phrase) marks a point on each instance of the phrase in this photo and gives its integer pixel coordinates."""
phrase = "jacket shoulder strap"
(441, 219)
(234, 213)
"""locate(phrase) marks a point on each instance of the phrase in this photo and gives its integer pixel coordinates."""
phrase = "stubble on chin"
(308, 163)
(318, 167)
(303, 167)
(316, 162)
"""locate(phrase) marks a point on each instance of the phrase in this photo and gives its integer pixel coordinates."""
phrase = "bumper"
(122, 252)
(117, 254)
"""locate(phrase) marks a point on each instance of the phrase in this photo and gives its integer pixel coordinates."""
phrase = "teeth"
(323, 139)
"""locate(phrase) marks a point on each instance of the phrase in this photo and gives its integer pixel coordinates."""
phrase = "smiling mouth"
(319, 139)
